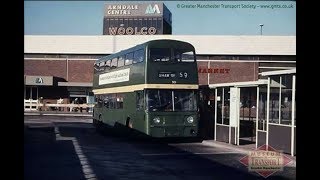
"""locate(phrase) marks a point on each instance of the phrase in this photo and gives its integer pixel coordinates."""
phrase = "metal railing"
(35, 105)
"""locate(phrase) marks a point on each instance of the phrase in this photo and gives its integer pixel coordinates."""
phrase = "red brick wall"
(203, 77)
(45, 68)
(82, 71)
(226, 72)
(79, 71)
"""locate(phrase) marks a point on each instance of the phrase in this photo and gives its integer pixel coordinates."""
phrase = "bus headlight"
(190, 119)
(156, 120)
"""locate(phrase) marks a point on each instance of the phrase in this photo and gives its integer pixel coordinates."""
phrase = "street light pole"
(261, 29)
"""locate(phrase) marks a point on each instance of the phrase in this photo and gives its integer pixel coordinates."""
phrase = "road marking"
(191, 153)
(86, 168)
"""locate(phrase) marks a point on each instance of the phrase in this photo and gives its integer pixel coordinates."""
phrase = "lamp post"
(261, 29)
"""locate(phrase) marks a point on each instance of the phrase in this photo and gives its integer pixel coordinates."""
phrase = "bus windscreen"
(171, 100)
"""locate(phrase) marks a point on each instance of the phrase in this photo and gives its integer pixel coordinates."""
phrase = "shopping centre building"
(64, 64)
(137, 19)
(247, 82)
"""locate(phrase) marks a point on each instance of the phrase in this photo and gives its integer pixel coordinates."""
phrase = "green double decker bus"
(151, 88)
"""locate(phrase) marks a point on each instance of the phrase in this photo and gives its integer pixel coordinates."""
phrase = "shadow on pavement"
(46, 158)
(113, 157)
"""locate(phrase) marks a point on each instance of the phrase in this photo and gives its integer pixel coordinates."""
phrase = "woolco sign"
(132, 31)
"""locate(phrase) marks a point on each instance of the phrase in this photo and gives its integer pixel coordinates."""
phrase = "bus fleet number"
(183, 75)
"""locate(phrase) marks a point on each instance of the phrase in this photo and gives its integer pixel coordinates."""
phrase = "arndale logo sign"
(152, 10)
(39, 80)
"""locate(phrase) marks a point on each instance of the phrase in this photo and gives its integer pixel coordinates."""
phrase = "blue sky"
(86, 18)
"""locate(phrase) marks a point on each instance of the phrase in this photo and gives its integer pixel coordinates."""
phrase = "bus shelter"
(277, 112)
(235, 108)
(257, 112)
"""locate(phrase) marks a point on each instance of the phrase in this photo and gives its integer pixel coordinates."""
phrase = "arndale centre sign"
(121, 9)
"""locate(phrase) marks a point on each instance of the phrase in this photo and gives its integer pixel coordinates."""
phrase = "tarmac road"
(70, 148)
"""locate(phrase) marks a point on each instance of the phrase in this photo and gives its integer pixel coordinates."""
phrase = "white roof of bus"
(204, 44)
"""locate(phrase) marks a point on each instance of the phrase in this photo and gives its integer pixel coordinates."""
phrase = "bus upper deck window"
(114, 62)
(181, 55)
(160, 54)
(129, 59)
(96, 67)
(108, 63)
(138, 56)
(121, 61)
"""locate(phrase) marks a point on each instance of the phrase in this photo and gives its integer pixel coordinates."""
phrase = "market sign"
(214, 70)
